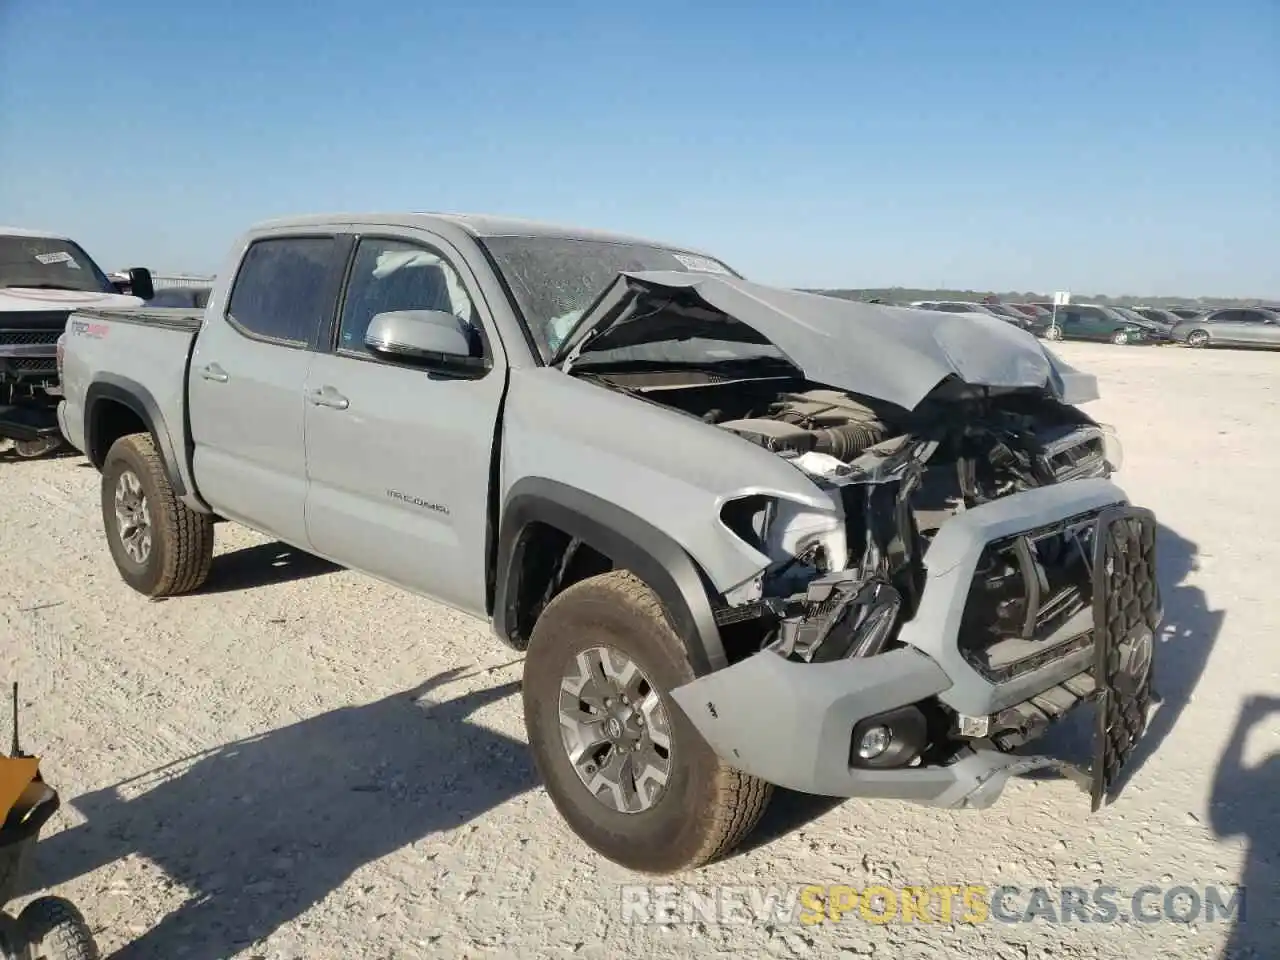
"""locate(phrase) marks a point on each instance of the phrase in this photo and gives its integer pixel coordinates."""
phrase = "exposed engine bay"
(840, 584)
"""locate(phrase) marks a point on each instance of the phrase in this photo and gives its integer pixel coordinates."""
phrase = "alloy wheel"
(615, 730)
(133, 517)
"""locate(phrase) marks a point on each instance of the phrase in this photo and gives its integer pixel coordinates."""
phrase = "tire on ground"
(181, 539)
(707, 807)
(55, 930)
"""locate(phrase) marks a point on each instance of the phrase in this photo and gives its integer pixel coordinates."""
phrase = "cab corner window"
(390, 275)
(284, 289)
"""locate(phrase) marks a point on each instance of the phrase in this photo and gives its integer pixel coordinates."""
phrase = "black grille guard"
(1127, 612)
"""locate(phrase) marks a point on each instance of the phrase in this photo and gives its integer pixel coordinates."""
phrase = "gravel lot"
(301, 762)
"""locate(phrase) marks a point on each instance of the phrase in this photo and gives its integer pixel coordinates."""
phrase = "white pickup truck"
(43, 277)
(746, 536)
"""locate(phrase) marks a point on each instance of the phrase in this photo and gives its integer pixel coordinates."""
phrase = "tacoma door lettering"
(418, 502)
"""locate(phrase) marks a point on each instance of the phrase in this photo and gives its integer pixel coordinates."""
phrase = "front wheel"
(1120, 338)
(1053, 333)
(621, 762)
(161, 546)
(1197, 338)
(55, 930)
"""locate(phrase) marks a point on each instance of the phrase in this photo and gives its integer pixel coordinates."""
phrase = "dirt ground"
(300, 762)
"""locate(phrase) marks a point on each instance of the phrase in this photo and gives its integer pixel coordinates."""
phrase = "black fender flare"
(628, 541)
(131, 394)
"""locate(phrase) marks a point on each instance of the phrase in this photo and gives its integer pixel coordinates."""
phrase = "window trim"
(329, 340)
(241, 329)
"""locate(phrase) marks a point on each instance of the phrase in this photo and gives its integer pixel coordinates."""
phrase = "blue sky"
(1094, 146)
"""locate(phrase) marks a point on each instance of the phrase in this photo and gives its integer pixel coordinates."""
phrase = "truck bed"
(132, 352)
(173, 318)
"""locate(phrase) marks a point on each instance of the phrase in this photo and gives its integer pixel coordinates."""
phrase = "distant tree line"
(909, 294)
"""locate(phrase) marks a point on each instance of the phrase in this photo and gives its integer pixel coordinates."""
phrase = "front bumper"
(793, 724)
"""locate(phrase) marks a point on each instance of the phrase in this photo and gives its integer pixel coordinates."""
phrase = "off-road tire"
(55, 930)
(182, 539)
(1197, 339)
(707, 807)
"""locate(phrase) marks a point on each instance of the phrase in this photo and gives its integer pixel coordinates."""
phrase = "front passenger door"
(398, 456)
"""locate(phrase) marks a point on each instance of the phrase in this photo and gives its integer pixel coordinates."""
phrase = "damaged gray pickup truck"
(745, 536)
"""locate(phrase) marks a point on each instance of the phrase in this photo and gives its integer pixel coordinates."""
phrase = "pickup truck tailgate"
(139, 352)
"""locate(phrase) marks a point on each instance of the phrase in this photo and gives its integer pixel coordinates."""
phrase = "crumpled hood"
(895, 354)
(30, 299)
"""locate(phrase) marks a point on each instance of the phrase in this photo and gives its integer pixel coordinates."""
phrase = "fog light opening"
(888, 740)
(875, 742)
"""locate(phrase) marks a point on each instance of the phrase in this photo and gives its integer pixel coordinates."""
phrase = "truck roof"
(24, 232)
(476, 224)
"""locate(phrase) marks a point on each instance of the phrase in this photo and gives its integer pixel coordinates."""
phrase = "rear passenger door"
(399, 456)
(246, 380)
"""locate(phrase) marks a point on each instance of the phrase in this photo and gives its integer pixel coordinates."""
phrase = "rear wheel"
(160, 545)
(1197, 338)
(621, 762)
(55, 930)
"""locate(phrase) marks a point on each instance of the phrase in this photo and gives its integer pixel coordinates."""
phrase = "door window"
(285, 288)
(392, 275)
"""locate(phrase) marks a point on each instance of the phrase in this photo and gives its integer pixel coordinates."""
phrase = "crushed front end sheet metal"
(792, 719)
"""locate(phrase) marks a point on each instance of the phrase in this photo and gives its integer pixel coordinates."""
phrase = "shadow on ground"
(1185, 641)
(261, 829)
(1246, 804)
(788, 811)
(263, 565)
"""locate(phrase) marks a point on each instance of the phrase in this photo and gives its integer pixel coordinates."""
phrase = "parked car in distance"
(1249, 327)
(1156, 332)
(967, 306)
(1166, 318)
(1033, 310)
(1091, 321)
(718, 578)
(1188, 313)
(1017, 317)
(952, 306)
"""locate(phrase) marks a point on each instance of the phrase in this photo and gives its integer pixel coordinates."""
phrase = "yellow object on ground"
(16, 776)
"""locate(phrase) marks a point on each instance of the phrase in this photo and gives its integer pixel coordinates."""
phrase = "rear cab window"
(286, 288)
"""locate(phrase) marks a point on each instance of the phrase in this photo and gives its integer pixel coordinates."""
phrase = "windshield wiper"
(645, 363)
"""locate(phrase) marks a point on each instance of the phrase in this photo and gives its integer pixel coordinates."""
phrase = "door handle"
(328, 397)
(211, 371)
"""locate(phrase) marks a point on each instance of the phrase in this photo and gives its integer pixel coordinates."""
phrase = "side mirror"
(140, 284)
(428, 338)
